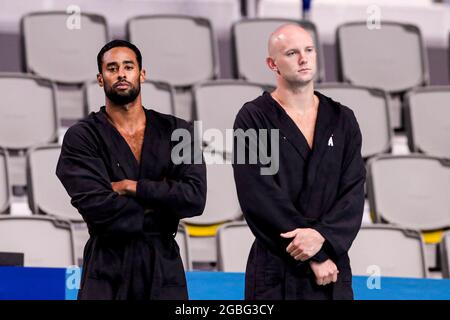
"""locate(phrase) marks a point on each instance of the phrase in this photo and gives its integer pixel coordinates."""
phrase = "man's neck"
(299, 99)
(129, 117)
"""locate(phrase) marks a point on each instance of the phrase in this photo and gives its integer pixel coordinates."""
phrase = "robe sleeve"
(267, 209)
(340, 225)
(183, 192)
(86, 180)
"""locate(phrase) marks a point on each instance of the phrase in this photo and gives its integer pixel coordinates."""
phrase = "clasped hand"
(305, 244)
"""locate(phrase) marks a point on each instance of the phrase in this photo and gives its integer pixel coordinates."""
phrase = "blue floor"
(61, 284)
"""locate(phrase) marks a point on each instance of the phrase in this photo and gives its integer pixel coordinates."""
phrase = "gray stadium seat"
(182, 239)
(428, 120)
(234, 241)
(45, 241)
(19, 112)
(46, 194)
(4, 182)
(272, 9)
(175, 49)
(221, 203)
(391, 58)
(250, 37)
(65, 55)
(217, 104)
(445, 255)
(28, 117)
(222, 206)
(184, 53)
(410, 191)
(391, 251)
(371, 110)
(158, 96)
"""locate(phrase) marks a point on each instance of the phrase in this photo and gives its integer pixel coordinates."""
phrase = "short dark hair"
(115, 44)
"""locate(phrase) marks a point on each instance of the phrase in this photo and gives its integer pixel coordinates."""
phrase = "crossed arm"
(116, 208)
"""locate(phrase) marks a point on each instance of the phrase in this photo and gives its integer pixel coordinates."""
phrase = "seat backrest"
(27, 101)
(371, 110)
(364, 58)
(55, 48)
(234, 241)
(410, 191)
(45, 242)
(428, 120)
(292, 9)
(4, 182)
(182, 239)
(387, 251)
(222, 204)
(445, 254)
(46, 194)
(250, 37)
(217, 104)
(158, 96)
(175, 49)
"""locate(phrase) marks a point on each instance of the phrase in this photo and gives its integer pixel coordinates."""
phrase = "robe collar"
(325, 124)
(120, 151)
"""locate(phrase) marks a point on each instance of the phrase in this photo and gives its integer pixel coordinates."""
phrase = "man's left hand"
(306, 243)
(125, 187)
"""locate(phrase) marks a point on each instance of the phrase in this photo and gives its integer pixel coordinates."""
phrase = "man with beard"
(116, 166)
(306, 215)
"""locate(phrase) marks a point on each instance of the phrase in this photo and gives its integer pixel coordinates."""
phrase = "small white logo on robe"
(330, 141)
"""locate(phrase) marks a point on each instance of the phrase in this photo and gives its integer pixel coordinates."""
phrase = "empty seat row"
(404, 191)
(32, 119)
(378, 250)
(181, 50)
(410, 192)
(176, 44)
(46, 241)
(47, 196)
(216, 104)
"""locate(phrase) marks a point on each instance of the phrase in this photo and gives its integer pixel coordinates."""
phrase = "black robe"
(320, 188)
(131, 253)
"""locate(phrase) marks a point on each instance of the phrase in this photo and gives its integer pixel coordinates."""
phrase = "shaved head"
(292, 55)
(282, 33)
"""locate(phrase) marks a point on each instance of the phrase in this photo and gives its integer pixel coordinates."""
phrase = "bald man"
(306, 215)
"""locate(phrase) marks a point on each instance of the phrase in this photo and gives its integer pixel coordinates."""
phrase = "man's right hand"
(325, 272)
(124, 187)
